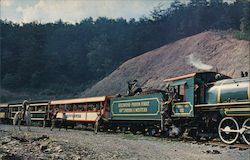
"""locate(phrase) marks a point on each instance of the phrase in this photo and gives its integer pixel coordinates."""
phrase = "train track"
(232, 146)
(217, 143)
(214, 142)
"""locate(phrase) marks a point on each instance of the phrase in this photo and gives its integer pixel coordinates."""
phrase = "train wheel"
(152, 131)
(227, 130)
(246, 133)
(134, 129)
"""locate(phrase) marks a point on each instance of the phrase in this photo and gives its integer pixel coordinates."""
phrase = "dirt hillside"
(205, 51)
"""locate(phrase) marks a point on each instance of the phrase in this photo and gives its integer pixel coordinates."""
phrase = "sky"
(72, 11)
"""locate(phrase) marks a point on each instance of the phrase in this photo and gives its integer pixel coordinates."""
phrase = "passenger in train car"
(62, 107)
(97, 106)
(69, 107)
(75, 107)
(41, 108)
(90, 106)
(94, 108)
(80, 107)
(85, 107)
(45, 117)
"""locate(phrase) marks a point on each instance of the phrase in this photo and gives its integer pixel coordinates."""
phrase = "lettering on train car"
(134, 104)
(123, 110)
(74, 116)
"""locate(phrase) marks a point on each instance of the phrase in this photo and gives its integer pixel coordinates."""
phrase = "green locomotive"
(197, 104)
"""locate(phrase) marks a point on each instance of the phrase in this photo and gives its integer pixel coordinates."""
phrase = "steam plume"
(196, 62)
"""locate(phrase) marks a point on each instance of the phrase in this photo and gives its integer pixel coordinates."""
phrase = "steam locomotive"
(204, 104)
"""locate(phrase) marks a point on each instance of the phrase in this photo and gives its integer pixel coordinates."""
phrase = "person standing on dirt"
(53, 120)
(45, 119)
(64, 121)
(47, 116)
(27, 117)
(17, 119)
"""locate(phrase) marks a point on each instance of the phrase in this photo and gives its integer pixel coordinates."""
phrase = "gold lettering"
(129, 110)
(134, 104)
(123, 104)
(145, 103)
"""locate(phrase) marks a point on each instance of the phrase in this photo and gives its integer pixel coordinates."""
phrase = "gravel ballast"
(41, 143)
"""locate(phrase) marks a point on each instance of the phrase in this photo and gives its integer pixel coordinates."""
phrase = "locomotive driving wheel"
(228, 130)
(246, 133)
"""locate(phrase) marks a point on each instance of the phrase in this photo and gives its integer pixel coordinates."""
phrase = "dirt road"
(41, 143)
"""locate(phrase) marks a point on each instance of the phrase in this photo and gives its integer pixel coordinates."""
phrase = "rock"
(55, 156)
(62, 156)
(14, 142)
(43, 157)
(58, 149)
(48, 150)
(35, 143)
(216, 152)
(8, 156)
(43, 146)
(21, 139)
(43, 137)
(77, 158)
(6, 140)
(213, 152)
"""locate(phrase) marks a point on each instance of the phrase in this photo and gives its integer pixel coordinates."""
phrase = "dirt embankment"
(213, 51)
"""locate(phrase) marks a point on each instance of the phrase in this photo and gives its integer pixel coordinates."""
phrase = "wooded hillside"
(59, 60)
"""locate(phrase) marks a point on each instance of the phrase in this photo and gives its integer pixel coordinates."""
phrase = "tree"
(198, 3)
(100, 56)
(215, 2)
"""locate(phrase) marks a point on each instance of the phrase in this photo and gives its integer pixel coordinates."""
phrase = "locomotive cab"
(190, 90)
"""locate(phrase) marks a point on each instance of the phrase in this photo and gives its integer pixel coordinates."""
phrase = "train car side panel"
(141, 107)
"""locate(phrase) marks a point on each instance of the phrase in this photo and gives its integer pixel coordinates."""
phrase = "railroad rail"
(217, 143)
(231, 146)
